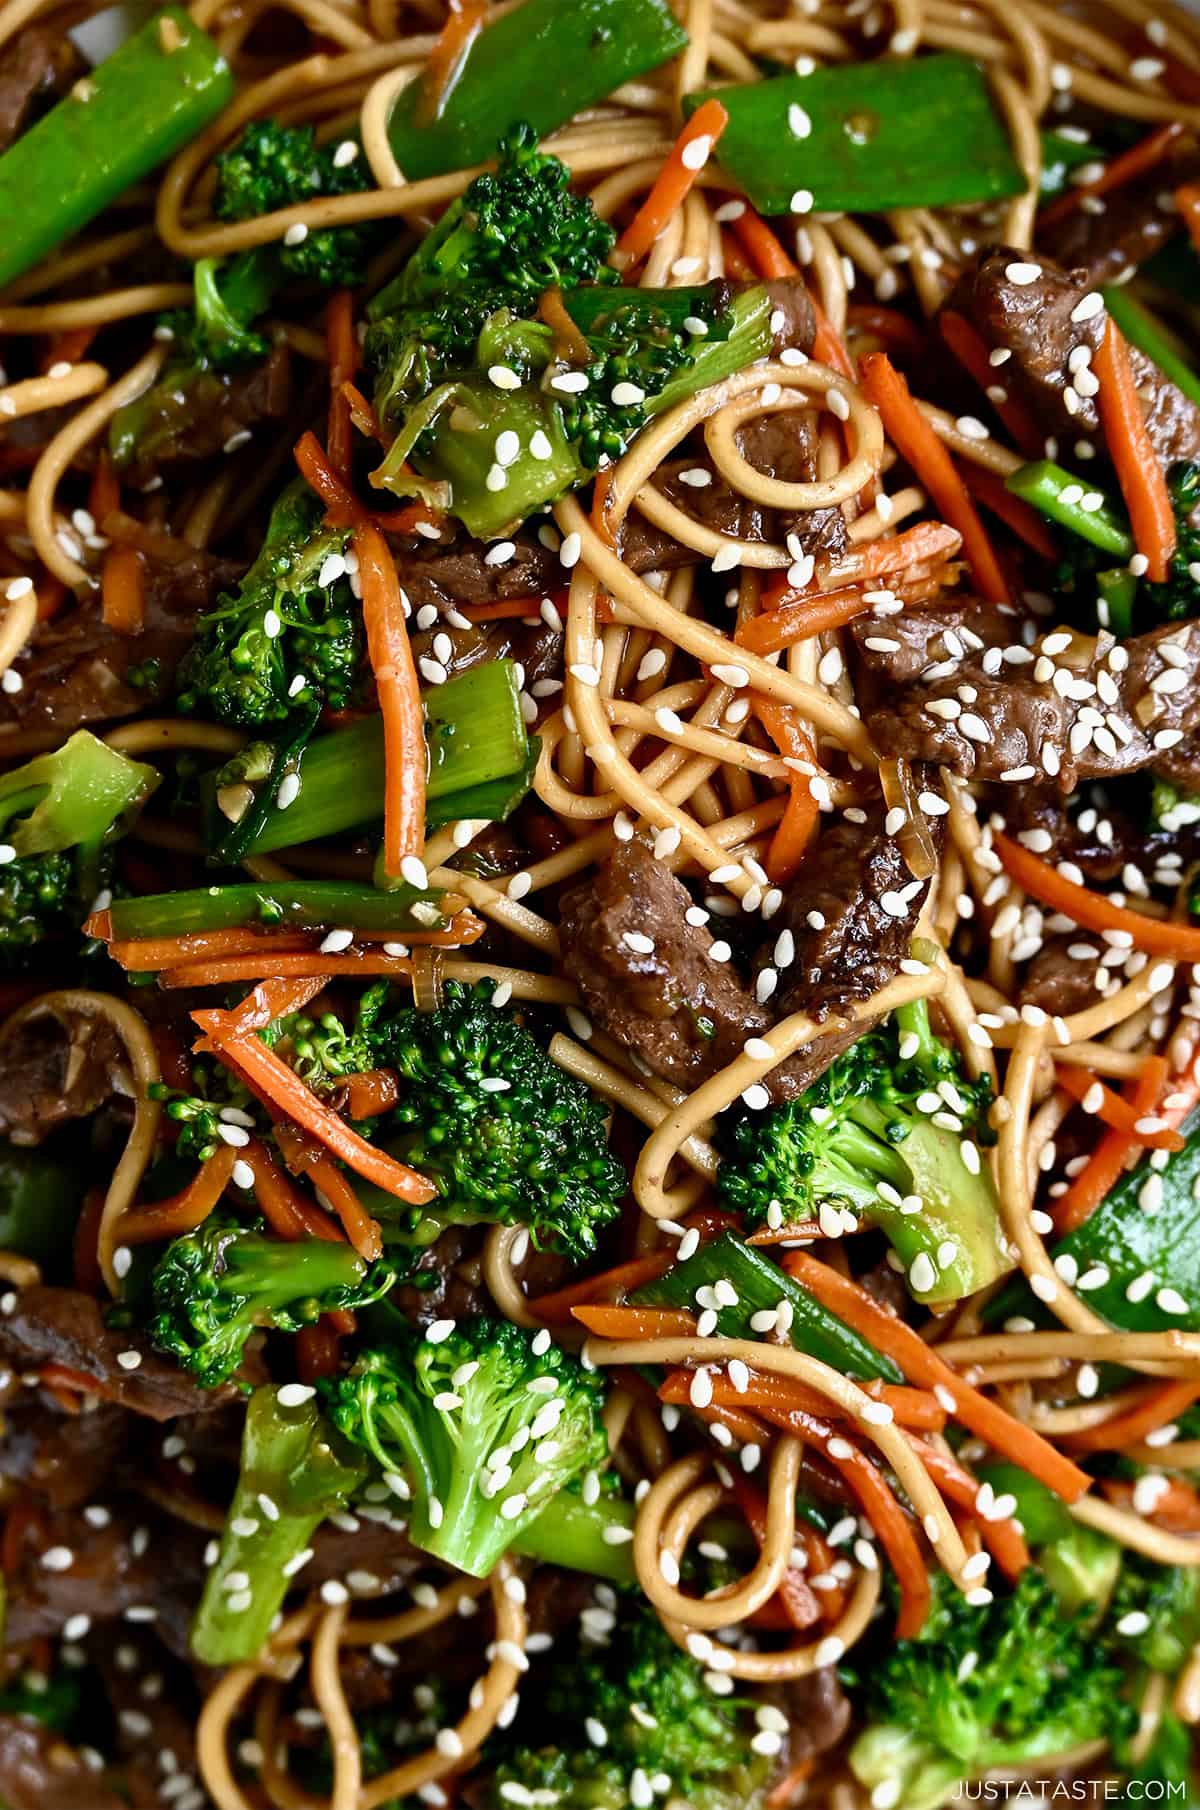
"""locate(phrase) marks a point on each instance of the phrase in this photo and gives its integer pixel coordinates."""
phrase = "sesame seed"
(1022, 274)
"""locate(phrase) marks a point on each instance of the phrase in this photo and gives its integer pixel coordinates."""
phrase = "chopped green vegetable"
(1061, 155)
(116, 126)
(275, 905)
(1058, 494)
(865, 137)
(545, 61)
(41, 1195)
(594, 1538)
(1116, 590)
(1143, 331)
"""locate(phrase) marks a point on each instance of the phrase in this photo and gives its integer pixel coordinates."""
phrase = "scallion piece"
(275, 905)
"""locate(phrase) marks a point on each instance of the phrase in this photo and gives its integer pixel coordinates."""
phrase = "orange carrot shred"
(794, 832)
(392, 663)
(123, 591)
(1141, 157)
(687, 158)
(609, 1322)
(1187, 199)
(342, 352)
(1112, 1110)
(1139, 473)
(1091, 910)
(970, 349)
(1108, 1159)
(1158, 1404)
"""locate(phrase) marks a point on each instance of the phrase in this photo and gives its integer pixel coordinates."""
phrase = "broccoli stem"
(273, 904)
(595, 1538)
(288, 1462)
(73, 796)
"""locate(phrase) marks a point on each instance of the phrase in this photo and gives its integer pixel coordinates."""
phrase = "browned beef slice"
(1094, 710)
(38, 1771)
(818, 1714)
(127, 1563)
(36, 67)
(154, 1714)
(1130, 226)
(915, 644)
(1058, 980)
(196, 420)
(683, 1013)
(64, 1457)
(451, 1273)
(1100, 841)
(57, 1066)
(456, 571)
(64, 1326)
(1033, 322)
(375, 1550)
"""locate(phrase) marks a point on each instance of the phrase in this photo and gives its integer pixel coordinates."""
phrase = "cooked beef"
(64, 1326)
(912, 644)
(1099, 839)
(36, 66)
(63, 1457)
(683, 1012)
(376, 1550)
(1033, 321)
(76, 671)
(818, 1714)
(535, 647)
(38, 1771)
(146, 1691)
(1059, 982)
(449, 1280)
(56, 1066)
(1133, 222)
(127, 1563)
(446, 573)
(1096, 709)
(196, 420)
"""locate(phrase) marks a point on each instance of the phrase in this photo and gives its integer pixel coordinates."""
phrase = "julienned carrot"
(601, 491)
(921, 1364)
(737, 264)
(1139, 473)
(1111, 1154)
(971, 351)
(1112, 1110)
(609, 1322)
(933, 467)
(317, 1353)
(556, 1309)
(405, 757)
(504, 610)
(104, 491)
(688, 156)
(362, 414)
(918, 1409)
(1176, 1505)
(272, 999)
(123, 591)
(886, 324)
(1187, 199)
(924, 544)
(249, 1056)
(142, 955)
(342, 507)
(770, 260)
(794, 831)
(184, 1211)
(342, 354)
(236, 969)
(283, 1206)
(795, 1595)
(1012, 510)
(1091, 910)
(361, 1230)
(790, 1789)
(1141, 157)
(1158, 1404)
(371, 1091)
(1003, 1538)
(781, 624)
(450, 50)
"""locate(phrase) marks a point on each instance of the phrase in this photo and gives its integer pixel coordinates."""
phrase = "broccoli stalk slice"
(214, 1286)
(293, 1462)
(593, 1537)
(484, 1431)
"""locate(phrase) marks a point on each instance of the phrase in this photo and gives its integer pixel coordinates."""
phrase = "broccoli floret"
(199, 1115)
(213, 1287)
(985, 1686)
(274, 166)
(504, 1134)
(659, 1718)
(289, 637)
(484, 1430)
(1154, 1613)
(60, 814)
(1182, 589)
(886, 1132)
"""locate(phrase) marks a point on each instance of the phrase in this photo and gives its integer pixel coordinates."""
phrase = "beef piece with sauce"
(1093, 709)
(448, 1280)
(155, 1735)
(38, 1771)
(1100, 840)
(197, 420)
(63, 1457)
(1042, 321)
(1136, 219)
(906, 645)
(1060, 982)
(126, 1563)
(36, 67)
(56, 1066)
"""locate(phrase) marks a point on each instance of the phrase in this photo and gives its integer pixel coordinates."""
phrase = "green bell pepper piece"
(41, 1193)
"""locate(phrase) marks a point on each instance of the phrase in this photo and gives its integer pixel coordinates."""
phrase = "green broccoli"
(995, 1685)
(295, 1473)
(1154, 1613)
(504, 1134)
(273, 166)
(659, 1719)
(200, 1115)
(492, 411)
(483, 1429)
(60, 814)
(886, 1132)
(214, 1286)
(1182, 589)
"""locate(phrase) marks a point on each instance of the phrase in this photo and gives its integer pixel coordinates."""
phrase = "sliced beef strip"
(818, 1716)
(1033, 322)
(1099, 839)
(153, 1732)
(195, 421)
(128, 1563)
(450, 1282)
(64, 1326)
(56, 1066)
(38, 1771)
(63, 1457)
(455, 571)
(1102, 709)
(1059, 982)
(377, 1549)
(1132, 224)
(912, 644)
(36, 66)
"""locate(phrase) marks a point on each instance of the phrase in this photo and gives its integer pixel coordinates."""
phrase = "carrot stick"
(51, 595)
(770, 261)
(372, 1091)
(795, 829)
(1141, 157)
(921, 1364)
(737, 264)
(317, 1353)
(917, 443)
(609, 1322)
(790, 1788)
(1142, 479)
(1121, 1114)
(1177, 1506)
(1108, 1159)
(342, 507)
(1012, 510)
(311, 963)
(250, 1057)
(122, 591)
(283, 1207)
(362, 1231)
(886, 324)
(272, 999)
(404, 751)
(1187, 200)
(184, 1211)
(600, 495)
(362, 414)
(918, 1409)
(449, 53)
(795, 1594)
(342, 352)
(506, 609)
(923, 544)
(104, 491)
(970, 349)
(1003, 1538)
(781, 624)
(67, 347)
(1158, 1403)
(1091, 910)
(688, 156)
(556, 1309)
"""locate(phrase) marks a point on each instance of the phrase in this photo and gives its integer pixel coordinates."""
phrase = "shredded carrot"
(506, 609)
(67, 347)
(674, 181)
(794, 831)
(448, 55)
(1112, 1110)
(556, 1309)
(342, 353)
(184, 1211)
(635, 1322)
(918, 1409)
(104, 491)
(601, 490)
(1176, 1506)
(272, 999)
(789, 1789)
(920, 447)
(1157, 1404)
(51, 595)
(342, 507)
(1111, 1154)
(970, 349)
(362, 414)
(1143, 156)
(1003, 1538)
(145, 953)
(1013, 511)
(404, 751)
(284, 1208)
(781, 623)
(1187, 199)
(85, 1246)
(770, 261)
(259, 954)
(1139, 473)
(921, 1364)
(887, 325)
(737, 264)
(361, 1230)
(371, 1091)
(795, 1596)
(123, 591)
(249, 1056)
(1091, 910)
(924, 544)
(236, 968)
